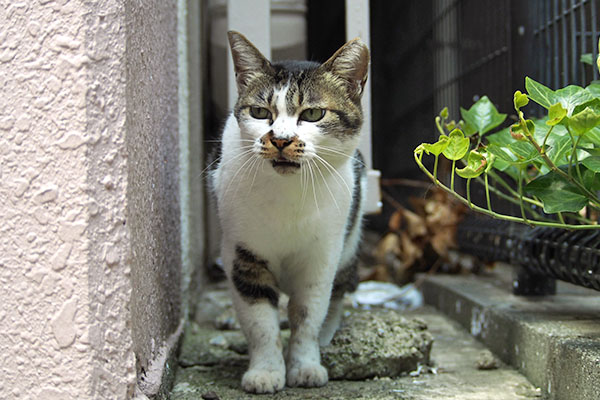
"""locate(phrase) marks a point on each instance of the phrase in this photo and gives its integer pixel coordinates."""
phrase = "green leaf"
(520, 100)
(476, 165)
(539, 93)
(569, 97)
(525, 153)
(444, 113)
(437, 147)
(458, 145)
(594, 89)
(592, 163)
(483, 116)
(556, 113)
(593, 136)
(557, 148)
(587, 58)
(584, 121)
(557, 194)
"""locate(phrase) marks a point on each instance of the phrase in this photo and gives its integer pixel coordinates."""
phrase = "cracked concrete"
(212, 362)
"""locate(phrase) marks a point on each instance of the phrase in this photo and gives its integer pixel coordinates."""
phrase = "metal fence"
(487, 47)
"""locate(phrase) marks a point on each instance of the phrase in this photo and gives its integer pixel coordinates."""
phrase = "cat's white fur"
(296, 222)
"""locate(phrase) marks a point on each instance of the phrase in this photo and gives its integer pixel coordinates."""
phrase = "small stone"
(219, 341)
(487, 361)
(211, 396)
(361, 349)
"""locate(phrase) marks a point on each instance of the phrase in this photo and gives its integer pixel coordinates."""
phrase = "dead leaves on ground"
(417, 238)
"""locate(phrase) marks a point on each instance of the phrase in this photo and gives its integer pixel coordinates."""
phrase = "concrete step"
(462, 370)
(553, 340)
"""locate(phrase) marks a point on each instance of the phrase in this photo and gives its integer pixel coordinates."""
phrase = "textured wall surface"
(152, 194)
(77, 241)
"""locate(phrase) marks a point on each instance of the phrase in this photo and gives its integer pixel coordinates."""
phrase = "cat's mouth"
(284, 166)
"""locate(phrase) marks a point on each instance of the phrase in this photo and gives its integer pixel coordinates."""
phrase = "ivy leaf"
(483, 116)
(520, 100)
(556, 113)
(594, 89)
(458, 145)
(437, 147)
(444, 113)
(525, 153)
(557, 194)
(584, 121)
(476, 165)
(592, 163)
(569, 97)
(593, 136)
(587, 58)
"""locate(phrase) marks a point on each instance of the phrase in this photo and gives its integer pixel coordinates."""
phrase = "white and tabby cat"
(289, 191)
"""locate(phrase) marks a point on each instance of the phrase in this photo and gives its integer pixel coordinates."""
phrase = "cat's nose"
(280, 143)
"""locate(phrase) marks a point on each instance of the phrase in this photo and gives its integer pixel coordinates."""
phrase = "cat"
(290, 188)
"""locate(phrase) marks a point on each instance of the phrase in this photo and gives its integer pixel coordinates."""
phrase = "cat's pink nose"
(280, 143)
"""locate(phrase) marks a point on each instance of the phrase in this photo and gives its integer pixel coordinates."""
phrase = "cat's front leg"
(307, 309)
(255, 298)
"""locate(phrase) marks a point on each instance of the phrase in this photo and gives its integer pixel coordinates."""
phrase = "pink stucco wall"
(66, 252)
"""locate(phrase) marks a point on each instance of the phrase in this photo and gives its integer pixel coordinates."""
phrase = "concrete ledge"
(554, 341)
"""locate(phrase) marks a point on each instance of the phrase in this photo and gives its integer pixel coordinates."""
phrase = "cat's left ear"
(351, 63)
(248, 62)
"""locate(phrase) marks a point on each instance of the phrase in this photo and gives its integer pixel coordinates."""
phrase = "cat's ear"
(248, 62)
(351, 63)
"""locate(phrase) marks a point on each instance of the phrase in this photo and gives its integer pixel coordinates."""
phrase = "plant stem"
(469, 192)
(435, 165)
(515, 198)
(504, 184)
(496, 215)
(487, 192)
(439, 126)
(521, 196)
(546, 138)
(591, 196)
(452, 175)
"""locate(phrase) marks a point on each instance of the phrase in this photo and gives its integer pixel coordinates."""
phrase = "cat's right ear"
(248, 62)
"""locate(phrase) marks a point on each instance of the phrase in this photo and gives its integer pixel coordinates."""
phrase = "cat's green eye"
(260, 113)
(312, 114)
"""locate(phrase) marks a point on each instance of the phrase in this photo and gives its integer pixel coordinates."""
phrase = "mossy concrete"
(377, 354)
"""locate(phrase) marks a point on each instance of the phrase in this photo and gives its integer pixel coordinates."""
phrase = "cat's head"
(299, 112)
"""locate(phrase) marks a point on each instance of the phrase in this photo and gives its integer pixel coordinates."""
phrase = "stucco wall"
(89, 225)
(153, 188)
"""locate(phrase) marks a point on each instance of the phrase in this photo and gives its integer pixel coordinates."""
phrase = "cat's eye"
(312, 114)
(260, 113)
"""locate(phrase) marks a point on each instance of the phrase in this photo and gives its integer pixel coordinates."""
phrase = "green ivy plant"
(550, 164)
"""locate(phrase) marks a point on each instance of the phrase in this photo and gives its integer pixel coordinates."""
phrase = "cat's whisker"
(236, 175)
(255, 165)
(331, 168)
(312, 180)
(248, 149)
(327, 187)
(337, 152)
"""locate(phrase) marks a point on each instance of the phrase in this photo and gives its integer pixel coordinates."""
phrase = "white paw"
(263, 380)
(307, 375)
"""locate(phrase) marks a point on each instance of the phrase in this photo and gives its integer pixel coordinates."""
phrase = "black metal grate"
(571, 256)
(564, 30)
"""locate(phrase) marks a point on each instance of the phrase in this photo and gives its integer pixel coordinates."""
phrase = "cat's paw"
(307, 375)
(258, 380)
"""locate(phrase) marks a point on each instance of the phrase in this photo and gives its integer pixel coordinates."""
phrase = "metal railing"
(540, 254)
